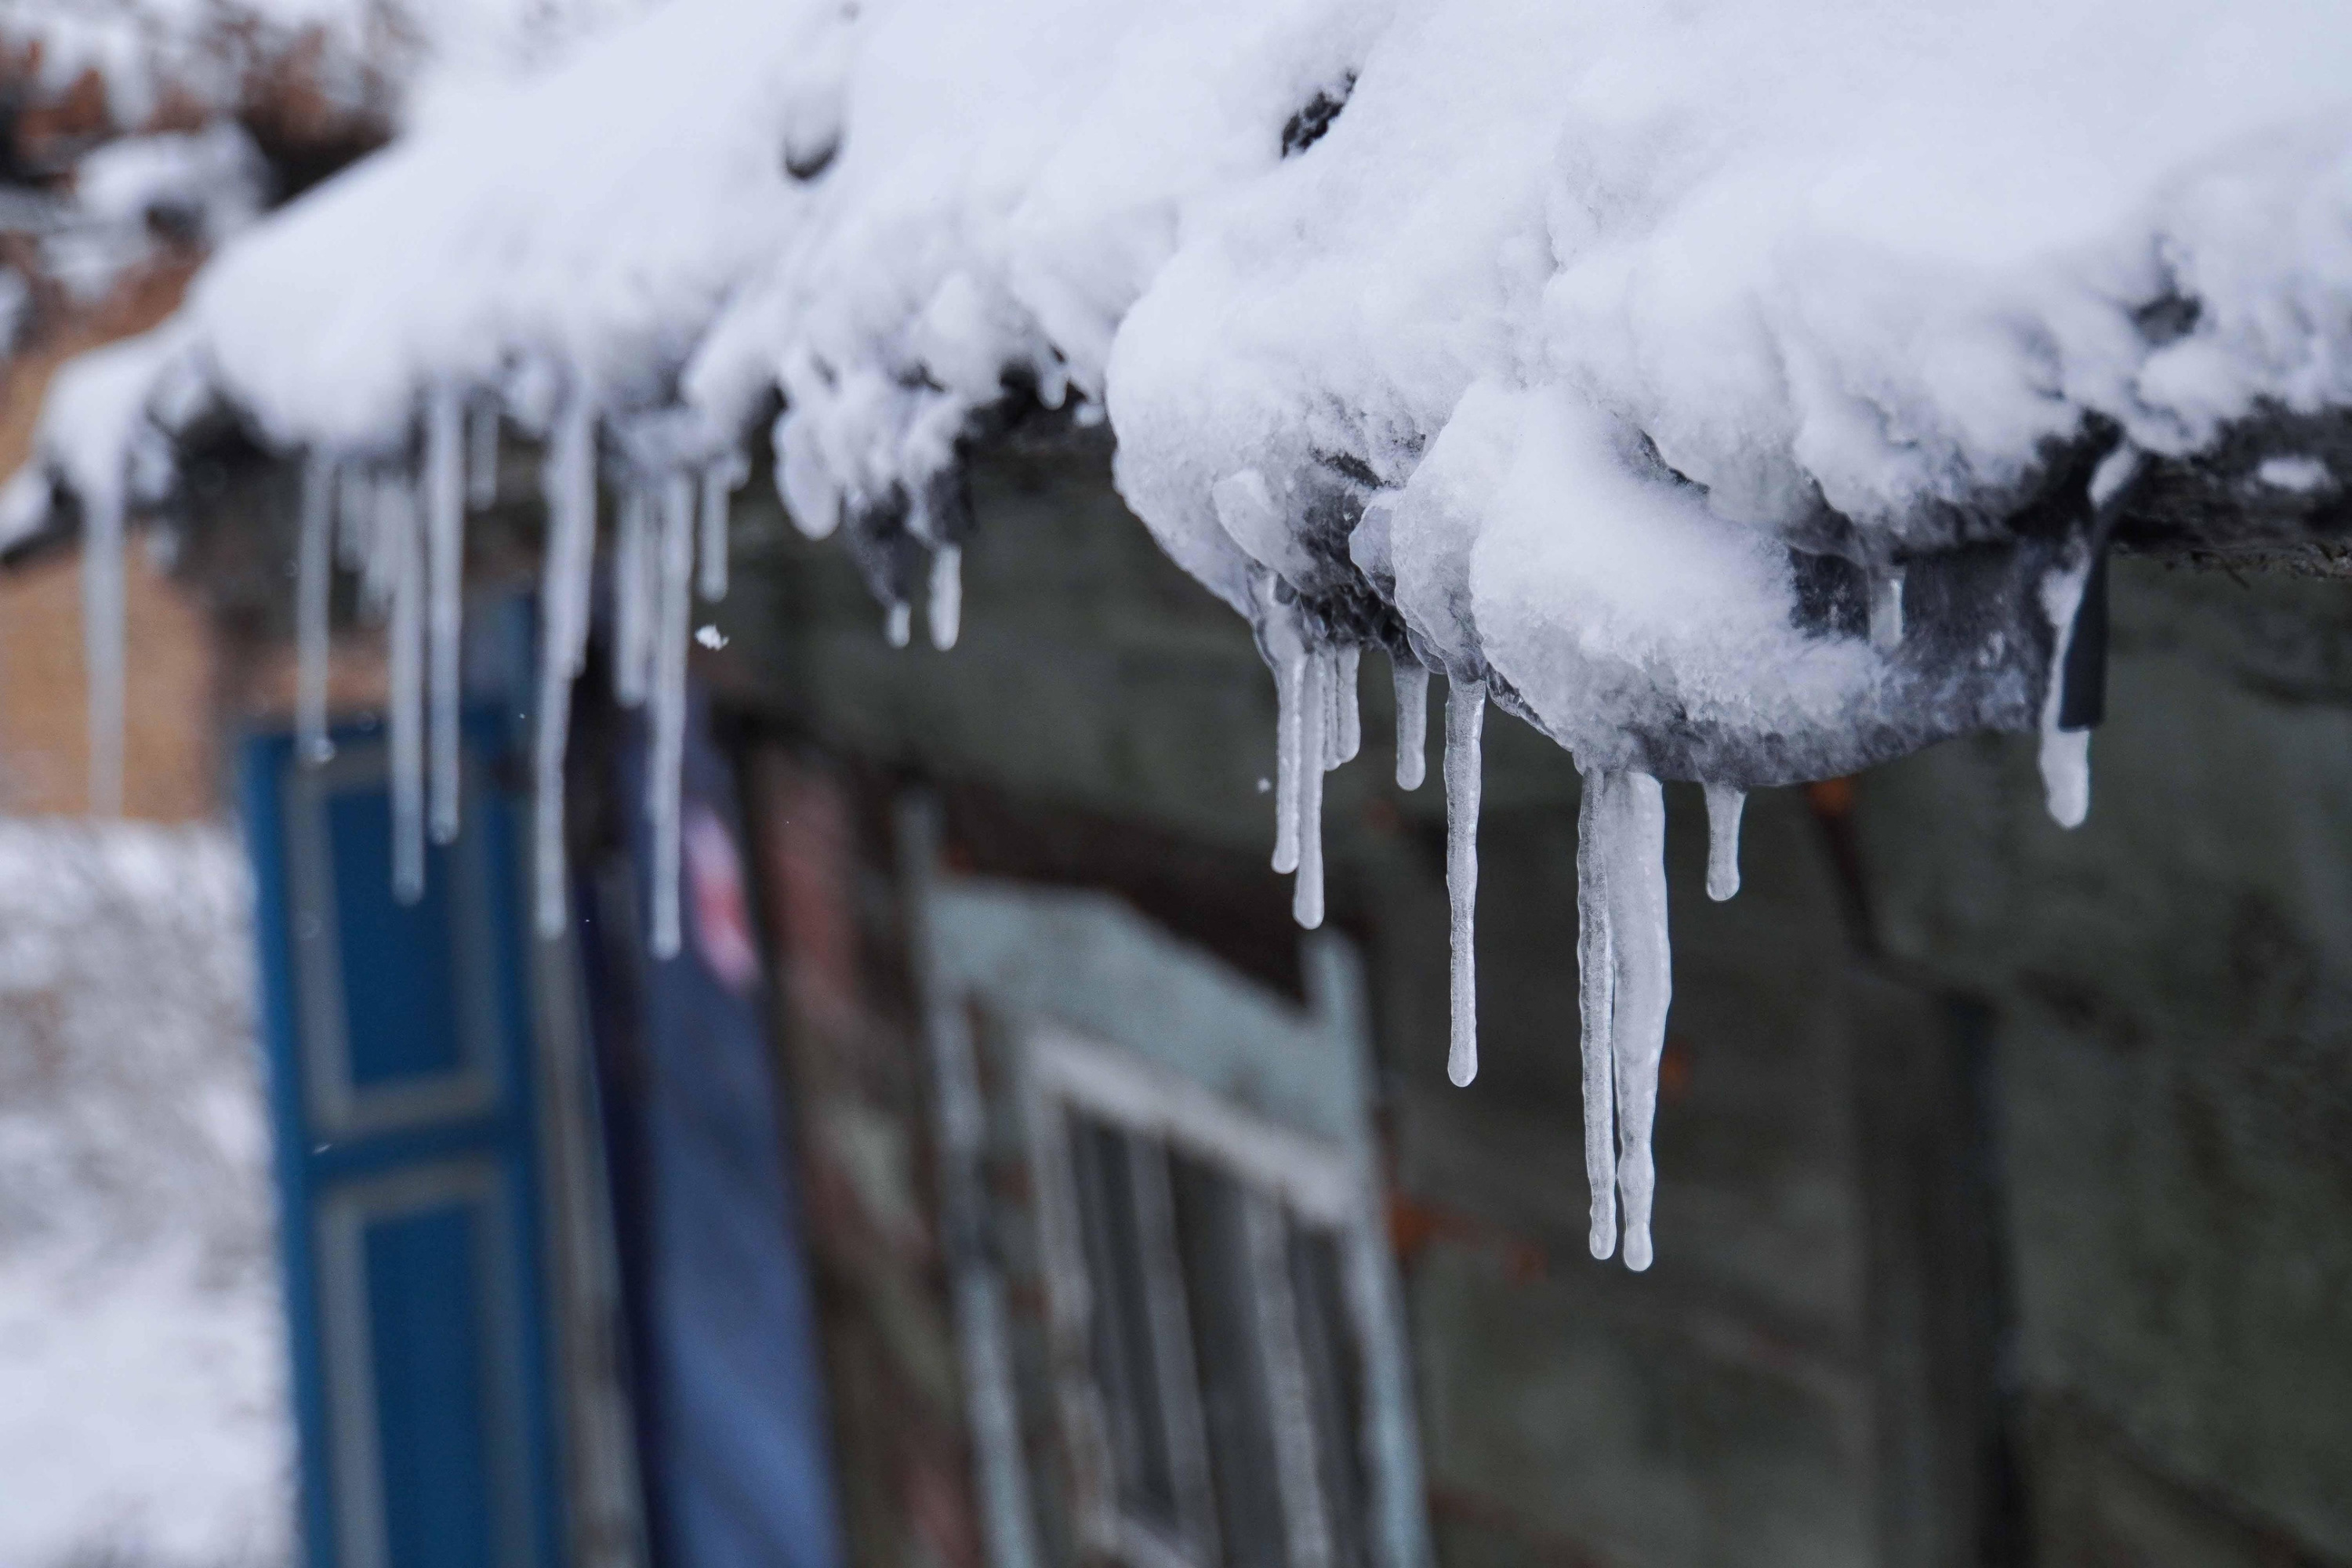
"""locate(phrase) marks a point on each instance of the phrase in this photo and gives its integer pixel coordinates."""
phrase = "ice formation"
(396, 525)
(445, 489)
(1465, 723)
(1737, 394)
(313, 585)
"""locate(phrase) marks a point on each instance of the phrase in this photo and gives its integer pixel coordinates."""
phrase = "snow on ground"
(142, 1414)
(1641, 369)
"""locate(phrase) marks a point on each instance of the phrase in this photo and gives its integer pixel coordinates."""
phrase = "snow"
(1566, 350)
(142, 1406)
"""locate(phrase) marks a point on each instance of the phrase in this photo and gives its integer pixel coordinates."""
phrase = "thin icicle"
(569, 485)
(313, 579)
(1412, 682)
(482, 454)
(445, 511)
(389, 510)
(720, 478)
(632, 614)
(1596, 976)
(1724, 805)
(1347, 735)
(395, 522)
(1887, 609)
(354, 517)
(946, 609)
(102, 632)
(1632, 837)
(1307, 891)
(1290, 734)
(2066, 753)
(1466, 721)
(665, 776)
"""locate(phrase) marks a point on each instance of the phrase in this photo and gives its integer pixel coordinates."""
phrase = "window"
(1213, 1377)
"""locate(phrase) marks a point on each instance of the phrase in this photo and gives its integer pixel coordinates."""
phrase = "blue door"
(400, 1045)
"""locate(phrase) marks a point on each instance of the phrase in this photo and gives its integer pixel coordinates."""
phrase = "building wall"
(2003, 1212)
(172, 673)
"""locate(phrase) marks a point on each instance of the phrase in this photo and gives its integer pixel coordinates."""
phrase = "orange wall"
(171, 698)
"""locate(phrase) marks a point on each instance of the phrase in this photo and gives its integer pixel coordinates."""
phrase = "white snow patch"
(142, 1406)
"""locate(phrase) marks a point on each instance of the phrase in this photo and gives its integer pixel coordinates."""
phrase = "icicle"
(1465, 721)
(1596, 974)
(1724, 805)
(1887, 609)
(395, 522)
(1346, 736)
(354, 517)
(445, 504)
(720, 478)
(946, 613)
(102, 632)
(482, 454)
(664, 777)
(313, 579)
(1632, 836)
(898, 624)
(1307, 892)
(388, 511)
(569, 485)
(2066, 753)
(632, 616)
(1289, 733)
(1411, 681)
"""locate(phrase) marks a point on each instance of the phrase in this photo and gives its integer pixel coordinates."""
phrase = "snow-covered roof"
(1737, 391)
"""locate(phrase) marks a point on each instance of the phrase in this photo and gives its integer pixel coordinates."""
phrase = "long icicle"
(1466, 721)
(395, 522)
(482, 454)
(1633, 841)
(1307, 892)
(102, 632)
(720, 478)
(1412, 682)
(1289, 733)
(1724, 805)
(945, 613)
(354, 517)
(314, 574)
(1596, 976)
(569, 485)
(632, 633)
(445, 511)
(1348, 729)
(665, 775)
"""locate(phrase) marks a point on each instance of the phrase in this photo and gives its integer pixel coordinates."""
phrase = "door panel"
(399, 1044)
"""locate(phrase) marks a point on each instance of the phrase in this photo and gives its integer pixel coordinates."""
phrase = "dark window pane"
(1213, 1240)
(1334, 1380)
(1103, 1160)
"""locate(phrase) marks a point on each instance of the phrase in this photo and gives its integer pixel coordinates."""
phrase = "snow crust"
(1644, 369)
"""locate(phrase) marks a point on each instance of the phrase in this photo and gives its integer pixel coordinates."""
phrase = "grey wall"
(2006, 1175)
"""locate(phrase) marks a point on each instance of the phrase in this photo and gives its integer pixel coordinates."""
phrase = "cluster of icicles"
(1624, 958)
(404, 533)
(410, 558)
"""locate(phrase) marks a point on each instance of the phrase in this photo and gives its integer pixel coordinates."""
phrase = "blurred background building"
(999, 1178)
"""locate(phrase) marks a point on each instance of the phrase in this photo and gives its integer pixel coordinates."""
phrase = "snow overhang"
(1746, 394)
